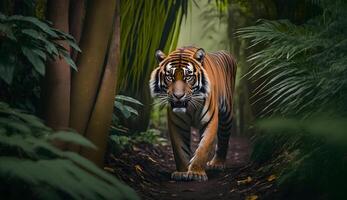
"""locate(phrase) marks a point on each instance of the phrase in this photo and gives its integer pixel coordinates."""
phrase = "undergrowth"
(300, 71)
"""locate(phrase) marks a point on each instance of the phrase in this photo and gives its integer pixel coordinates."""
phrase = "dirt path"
(147, 169)
(218, 185)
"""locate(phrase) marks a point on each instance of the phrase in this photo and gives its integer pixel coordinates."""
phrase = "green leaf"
(73, 44)
(128, 99)
(34, 59)
(14, 125)
(71, 62)
(126, 113)
(34, 21)
(32, 33)
(131, 110)
(6, 29)
(6, 72)
(71, 137)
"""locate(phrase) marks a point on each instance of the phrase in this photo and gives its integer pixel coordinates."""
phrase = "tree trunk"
(99, 123)
(76, 18)
(94, 45)
(56, 87)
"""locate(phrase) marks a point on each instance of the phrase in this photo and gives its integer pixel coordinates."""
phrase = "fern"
(33, 167)
(302, 68)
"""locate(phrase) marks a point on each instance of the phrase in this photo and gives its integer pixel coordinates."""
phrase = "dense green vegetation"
(154, 25)
(300, 71)
(26, 44)
(34, 56)
(290, 97)
(31, 164)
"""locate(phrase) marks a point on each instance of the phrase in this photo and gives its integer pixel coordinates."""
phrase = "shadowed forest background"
(77, 120)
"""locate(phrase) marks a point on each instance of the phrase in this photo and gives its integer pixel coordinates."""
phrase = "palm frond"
(146, 26)
(297, 61)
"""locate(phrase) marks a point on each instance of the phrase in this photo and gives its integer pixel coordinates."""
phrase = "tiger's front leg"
(179, 132)
(196, 168)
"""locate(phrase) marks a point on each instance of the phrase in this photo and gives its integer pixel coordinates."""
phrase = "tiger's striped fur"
(199, 86)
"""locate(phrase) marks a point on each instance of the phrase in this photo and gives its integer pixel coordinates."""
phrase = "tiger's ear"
(200, 55)
(159, 55)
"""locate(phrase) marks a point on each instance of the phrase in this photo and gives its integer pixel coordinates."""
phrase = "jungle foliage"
(26, 44)
(300, 71)
(31, 164)
(39, 170)
(146, 26)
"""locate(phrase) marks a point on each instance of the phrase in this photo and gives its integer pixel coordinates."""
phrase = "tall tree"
(76, 19)
(92, 80)
(101, 117)
(56, 87)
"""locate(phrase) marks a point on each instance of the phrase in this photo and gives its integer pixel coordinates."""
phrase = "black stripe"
(206, 124)
(227, 127)
(209, 105)
(187, 151)
(225, 116)
(204, 83)
(156, 82)
(181, 119)
(179, 127)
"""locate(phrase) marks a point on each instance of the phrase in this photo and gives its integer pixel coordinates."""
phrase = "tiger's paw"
(216, 164)
(189, 176)
(196, 176)
(178, 176)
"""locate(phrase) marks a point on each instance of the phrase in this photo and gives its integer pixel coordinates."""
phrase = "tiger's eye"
(189, 78)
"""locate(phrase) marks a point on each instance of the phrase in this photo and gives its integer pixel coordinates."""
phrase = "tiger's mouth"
(179, 106)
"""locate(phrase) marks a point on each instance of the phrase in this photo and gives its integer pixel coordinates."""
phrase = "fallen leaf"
(271, 178)
(151, 159)
(251, 197)
(135, 148)
(109, 169)
(138, 168)
(245, 181)
(188, 190)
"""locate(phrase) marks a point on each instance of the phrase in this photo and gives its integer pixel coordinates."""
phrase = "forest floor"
(147, 168)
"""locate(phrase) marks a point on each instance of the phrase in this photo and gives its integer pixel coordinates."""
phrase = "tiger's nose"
(178, 96)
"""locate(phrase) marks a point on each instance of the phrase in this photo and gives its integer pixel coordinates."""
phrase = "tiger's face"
(180, 79)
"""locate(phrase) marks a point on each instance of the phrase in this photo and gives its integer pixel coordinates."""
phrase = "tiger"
(198, 88)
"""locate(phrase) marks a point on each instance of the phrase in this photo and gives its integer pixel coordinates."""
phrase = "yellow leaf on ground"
(138, 168)
(151, 159)
(251, 197)
(245, 181)
(109, 169)
(271, 178)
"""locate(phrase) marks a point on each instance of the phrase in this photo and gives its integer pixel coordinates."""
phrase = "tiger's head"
(180, 79)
